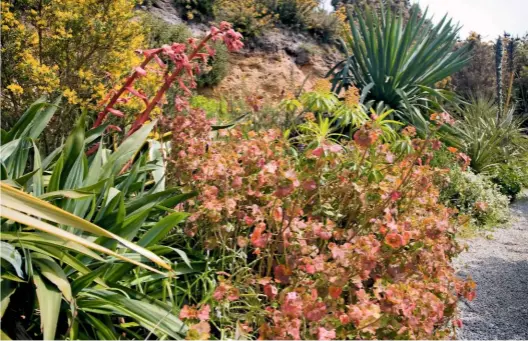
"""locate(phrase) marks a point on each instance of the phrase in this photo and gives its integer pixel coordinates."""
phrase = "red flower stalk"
(184, 68)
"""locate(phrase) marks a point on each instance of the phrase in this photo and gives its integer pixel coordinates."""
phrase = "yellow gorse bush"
(77, 47)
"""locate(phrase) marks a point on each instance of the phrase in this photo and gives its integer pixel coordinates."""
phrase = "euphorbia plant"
(337, 241)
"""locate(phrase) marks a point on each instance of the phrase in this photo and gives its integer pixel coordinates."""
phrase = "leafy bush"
(250, 17)
(159, 32)
(212, 107)
(476, 196)
(404, 73)
(511, 178)
(330, 237)
(293, 13)
(197, 9)
(67, 46)
(323, 25)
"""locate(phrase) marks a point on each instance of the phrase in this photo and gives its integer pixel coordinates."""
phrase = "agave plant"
(396, 62)
(80, 235)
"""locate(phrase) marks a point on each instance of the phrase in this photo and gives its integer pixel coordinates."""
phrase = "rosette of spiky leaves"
(81, 234)
(398, 62)
(488, 138)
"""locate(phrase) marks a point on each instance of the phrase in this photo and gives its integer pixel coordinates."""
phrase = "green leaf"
(149, 201)
(26, 177)
(37, 181)
(126, 151)
(7, 288)
(103, 329)
(14, 202)
(27, 119)
(84, 281)
(49, 298)
(11, 255)
(54, 183)
(151, 316)
(161, 228)
(70, 194)
(54, 273)
(6, 150)
(46, 239)
(43, 119)
(158, 174)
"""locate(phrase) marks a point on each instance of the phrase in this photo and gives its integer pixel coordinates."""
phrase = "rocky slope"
(278, 62)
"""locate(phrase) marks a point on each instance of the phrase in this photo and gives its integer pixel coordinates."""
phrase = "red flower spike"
(136, 93)
(113, 127)
(158, 60)
(140, 71)
(115, 112)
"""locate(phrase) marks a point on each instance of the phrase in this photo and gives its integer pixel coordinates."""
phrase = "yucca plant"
(80, 235)
(396, 62)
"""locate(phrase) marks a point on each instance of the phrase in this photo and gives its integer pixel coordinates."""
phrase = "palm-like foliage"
(488, 138)
(397, 62)
(80, 235)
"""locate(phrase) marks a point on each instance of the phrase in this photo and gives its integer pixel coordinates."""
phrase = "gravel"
(499, 266)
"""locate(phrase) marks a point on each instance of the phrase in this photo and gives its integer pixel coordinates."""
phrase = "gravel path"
(499, 266)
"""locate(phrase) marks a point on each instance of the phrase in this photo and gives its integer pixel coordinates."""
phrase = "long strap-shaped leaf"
(40, 225)
(23, 202)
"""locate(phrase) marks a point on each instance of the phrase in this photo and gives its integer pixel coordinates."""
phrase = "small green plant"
(216, 69)
(250, 17)
(510, 178)
(488, 138)
(197, 9)
(293, 13)
(160, 32)
(475, 196)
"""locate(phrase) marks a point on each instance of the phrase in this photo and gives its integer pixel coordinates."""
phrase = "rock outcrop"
(271, 65)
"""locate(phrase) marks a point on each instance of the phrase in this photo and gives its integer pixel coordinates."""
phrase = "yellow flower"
(15, 89)
(71, 95)
(352, 97)
(322, 85)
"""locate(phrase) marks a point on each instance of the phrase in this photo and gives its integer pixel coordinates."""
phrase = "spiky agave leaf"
(395, 60)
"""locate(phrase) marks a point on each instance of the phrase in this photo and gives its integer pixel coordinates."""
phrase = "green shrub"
(476, 196)
(161, 32)
(196, 9)
(249, 17)
(217, 67)
(323, 25)
(510, 178)
(76, 227)
(213, 108)
(293, 13)
(488, 138)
